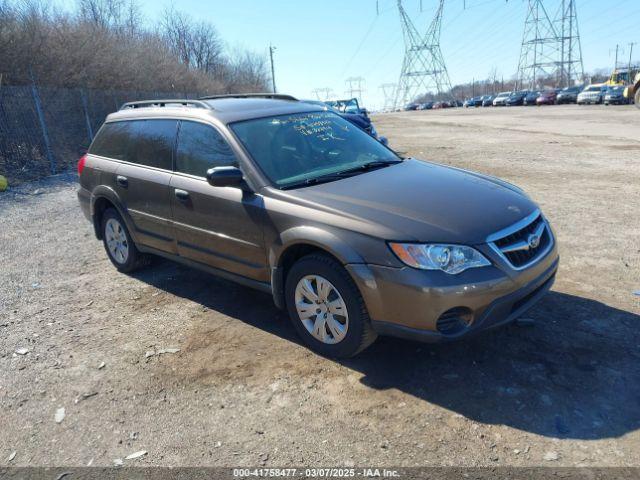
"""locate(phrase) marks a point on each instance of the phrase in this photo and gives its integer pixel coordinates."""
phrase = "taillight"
(81, 163)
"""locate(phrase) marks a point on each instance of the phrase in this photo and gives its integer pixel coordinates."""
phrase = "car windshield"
(305, 148)
(346, 106)
(593, 89)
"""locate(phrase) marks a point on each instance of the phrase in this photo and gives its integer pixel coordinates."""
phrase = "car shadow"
(574, 374)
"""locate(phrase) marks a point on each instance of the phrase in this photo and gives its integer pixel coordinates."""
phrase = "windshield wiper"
(330, 177)
(314, 181)
(370, 166)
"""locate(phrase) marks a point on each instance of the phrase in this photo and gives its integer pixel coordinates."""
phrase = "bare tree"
(196, 44)
(103, 45)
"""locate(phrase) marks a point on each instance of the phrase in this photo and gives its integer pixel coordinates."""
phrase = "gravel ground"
(241, 390)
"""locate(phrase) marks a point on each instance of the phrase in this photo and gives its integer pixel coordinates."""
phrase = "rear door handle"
(181, 194)
(122, 181)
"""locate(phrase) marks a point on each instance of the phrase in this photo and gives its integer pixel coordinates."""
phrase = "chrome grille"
(525, 242)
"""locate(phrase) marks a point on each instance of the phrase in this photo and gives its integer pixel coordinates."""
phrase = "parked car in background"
(473, 102)
(593, 94)
(615, 96)
(487, 100)
(501, 98)
(350, 105)
(516, 98)
(439, 105)
(291, 199)
(568, 94)
(531, 97)
(425, 106)
(547, 97)
(412, 106)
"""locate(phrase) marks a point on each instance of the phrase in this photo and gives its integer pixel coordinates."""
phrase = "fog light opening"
(454, 321)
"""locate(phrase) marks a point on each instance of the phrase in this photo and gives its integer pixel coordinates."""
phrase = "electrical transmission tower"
(389, 96)
(551, 50)
(423, 68)
(355, 88)
(322, 94)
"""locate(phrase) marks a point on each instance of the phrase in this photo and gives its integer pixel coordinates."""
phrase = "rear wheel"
(117, 242)
(326, 308)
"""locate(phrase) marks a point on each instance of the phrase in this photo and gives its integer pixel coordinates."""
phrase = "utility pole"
(273, 70)
(615, 65)
(423, 68)
(550, 46)
(629, 79)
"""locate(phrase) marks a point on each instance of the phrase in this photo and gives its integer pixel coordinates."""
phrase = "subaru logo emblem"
(534, 241)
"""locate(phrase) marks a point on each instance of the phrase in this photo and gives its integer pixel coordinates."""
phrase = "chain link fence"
(44, 131)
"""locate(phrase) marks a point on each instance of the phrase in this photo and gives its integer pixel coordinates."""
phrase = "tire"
(637, 97)
(357, 335)
(127, 258)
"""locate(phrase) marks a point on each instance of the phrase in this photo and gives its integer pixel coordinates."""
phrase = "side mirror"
(224, 177)
(383, 140)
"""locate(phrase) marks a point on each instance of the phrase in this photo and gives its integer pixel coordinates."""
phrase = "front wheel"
(326, 308)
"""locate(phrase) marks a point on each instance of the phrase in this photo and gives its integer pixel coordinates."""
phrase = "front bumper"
(407, 303)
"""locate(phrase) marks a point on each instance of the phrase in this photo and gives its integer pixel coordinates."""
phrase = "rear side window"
(201, 147)
(152, 143)
(146, 142)
(112, 141)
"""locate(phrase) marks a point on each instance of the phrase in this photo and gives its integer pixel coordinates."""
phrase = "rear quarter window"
(112, 141)
(145, 142)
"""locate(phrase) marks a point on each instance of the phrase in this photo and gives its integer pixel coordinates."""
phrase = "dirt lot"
(242, 391)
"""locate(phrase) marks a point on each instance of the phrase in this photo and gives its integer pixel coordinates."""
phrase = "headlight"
(448, 258)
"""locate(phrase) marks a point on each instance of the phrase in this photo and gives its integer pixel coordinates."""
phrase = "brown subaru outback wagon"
(290, 198)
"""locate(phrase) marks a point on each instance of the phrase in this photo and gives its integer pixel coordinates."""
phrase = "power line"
(360, 45)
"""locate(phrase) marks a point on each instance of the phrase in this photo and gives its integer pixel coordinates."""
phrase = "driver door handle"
(182, 195)
(122, 181)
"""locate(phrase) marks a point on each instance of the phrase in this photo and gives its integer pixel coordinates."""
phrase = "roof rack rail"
(275, 96)
(165, 103)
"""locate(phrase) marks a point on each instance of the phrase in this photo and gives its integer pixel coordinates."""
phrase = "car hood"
(421, 201)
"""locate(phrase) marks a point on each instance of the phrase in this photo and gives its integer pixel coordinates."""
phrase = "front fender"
(306, 235)
(317, 237)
